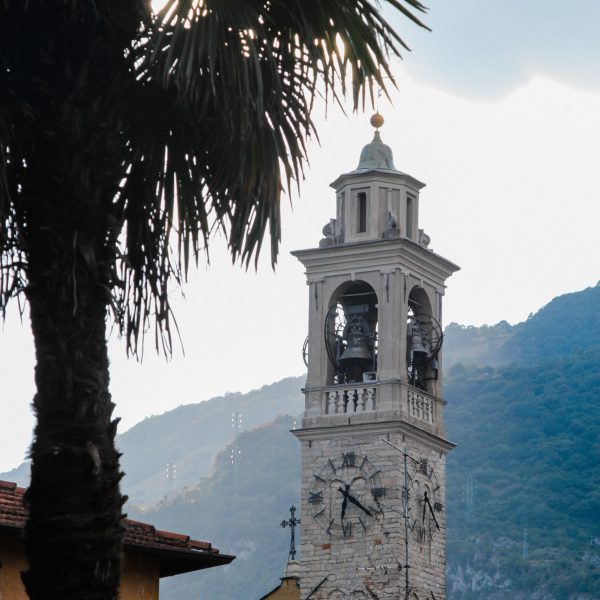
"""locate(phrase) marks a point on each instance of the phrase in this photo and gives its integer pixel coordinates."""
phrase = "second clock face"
(425, 508)
(345, 494)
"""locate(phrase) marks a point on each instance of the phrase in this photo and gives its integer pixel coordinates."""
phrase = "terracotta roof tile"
(178, 552)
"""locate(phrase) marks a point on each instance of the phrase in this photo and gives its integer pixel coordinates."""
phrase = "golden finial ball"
(377, 120)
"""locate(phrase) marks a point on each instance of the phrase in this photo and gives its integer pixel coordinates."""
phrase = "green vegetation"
(523, 485)
(191, 436)
(568, 324)
(239, 508)
(475, 345)
(529, 459)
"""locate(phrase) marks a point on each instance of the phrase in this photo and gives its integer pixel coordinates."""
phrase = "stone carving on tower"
(373, 445)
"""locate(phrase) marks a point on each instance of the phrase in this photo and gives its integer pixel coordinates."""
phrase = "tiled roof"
(12, 512)
(177, 552)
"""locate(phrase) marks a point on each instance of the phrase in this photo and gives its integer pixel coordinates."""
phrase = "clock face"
(345, 494)
(424, 501)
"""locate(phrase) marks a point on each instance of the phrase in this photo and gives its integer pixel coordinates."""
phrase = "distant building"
(149, 554)
(289, 588)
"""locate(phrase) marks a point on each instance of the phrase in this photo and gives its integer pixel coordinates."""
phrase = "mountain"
(523, 485)
(20, 474)
(239, 508)
(189, 437)
(469, 345)
(568, 324)
(523, 491)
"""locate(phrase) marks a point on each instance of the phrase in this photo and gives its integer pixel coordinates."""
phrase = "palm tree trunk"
(74, 532)
(72, 68)
(73, 535)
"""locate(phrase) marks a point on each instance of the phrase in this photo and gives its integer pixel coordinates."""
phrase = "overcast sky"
(497, 111)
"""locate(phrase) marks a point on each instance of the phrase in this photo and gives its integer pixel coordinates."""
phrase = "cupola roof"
(376, 155)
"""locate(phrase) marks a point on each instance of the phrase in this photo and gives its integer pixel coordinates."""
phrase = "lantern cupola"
(375, 200)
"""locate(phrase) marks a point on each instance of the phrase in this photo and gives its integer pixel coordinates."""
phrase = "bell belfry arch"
(374, 382)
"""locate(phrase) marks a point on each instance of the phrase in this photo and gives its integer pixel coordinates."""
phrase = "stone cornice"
(375, 428)
(403, 254)
(378, 176)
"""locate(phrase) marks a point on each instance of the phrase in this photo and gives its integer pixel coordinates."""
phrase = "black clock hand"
(345, 501)
(354, 501)
(357, 503)
(430, 510)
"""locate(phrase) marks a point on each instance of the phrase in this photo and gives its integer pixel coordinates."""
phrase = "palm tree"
(126, 139)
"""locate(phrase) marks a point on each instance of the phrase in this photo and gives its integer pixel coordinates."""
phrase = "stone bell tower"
(372, 435)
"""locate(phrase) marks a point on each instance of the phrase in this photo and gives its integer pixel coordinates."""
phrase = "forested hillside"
(189, 437)
(239, 509)
(568, 324)
(523, 485)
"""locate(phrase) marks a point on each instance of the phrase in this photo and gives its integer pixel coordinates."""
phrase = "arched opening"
(351, 334)
(424, 341)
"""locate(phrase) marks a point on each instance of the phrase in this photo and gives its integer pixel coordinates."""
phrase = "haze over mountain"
(190, 437)
(523, 498)
(523, 494)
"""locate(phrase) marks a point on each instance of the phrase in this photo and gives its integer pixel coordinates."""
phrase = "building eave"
(375, 254)
(379, 427)
(359, 175)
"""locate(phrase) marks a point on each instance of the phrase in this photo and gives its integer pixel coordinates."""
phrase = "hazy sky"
(497, 111)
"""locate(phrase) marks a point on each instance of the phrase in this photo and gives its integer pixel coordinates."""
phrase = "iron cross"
(292, 525)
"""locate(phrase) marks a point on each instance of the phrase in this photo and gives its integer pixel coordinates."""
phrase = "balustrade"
(350, 399)
(420, 405)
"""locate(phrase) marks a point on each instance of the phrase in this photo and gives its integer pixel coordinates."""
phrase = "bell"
(357, 347)
(417, 342)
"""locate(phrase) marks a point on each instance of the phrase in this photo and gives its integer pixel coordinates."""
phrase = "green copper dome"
(376, 155)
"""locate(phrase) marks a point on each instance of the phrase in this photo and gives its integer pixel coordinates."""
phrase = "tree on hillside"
(126, 139)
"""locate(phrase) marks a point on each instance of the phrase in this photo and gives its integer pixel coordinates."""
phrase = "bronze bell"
(357, 345)
(418, 340)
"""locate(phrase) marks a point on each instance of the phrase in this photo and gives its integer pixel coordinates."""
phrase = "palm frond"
(251, 70)
(217, 124)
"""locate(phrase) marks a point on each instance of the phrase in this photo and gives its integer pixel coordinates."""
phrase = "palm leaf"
(252, 69)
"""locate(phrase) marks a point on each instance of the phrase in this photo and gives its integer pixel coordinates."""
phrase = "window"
(361, 205)
(410, 209)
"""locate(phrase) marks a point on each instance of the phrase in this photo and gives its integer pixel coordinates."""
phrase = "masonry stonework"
(373, 491)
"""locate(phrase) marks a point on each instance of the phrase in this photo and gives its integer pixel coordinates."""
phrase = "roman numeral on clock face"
(347, 459)
(315, 497)
(347, 528)
(378, 492)
(373, 475)
(420, 533)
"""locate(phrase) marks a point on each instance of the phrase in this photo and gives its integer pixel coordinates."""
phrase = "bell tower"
(372, 435)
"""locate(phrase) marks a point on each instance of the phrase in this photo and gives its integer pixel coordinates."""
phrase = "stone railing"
(420, 405)
(350, 399)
